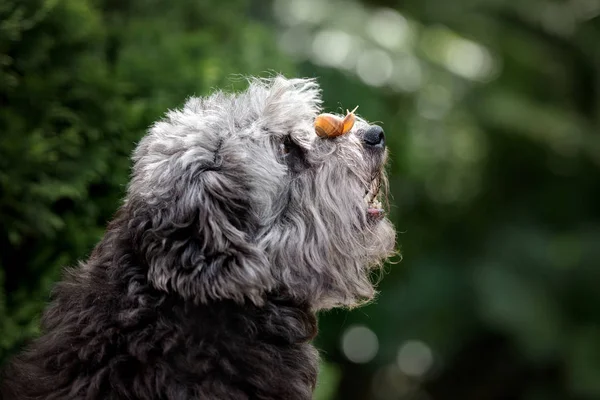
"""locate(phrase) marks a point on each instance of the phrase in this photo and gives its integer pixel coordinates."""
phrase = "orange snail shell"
(329, 125)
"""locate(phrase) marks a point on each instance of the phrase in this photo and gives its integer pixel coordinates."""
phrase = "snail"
(329, 125)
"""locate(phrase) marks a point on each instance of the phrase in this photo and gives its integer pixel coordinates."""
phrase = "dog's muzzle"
(373, 138)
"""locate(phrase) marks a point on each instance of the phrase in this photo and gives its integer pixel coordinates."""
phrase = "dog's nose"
(374, 136)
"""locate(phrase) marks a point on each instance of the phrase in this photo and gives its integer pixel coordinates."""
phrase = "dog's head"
(236, 196)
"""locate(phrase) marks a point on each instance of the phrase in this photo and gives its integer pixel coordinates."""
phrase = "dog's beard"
(331, 234)
(372, 198)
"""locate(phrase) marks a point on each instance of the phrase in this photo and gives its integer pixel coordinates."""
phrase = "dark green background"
(491, 110)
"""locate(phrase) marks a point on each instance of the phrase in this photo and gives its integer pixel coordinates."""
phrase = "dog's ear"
(191, 219)
(196, 242)
(203, 181)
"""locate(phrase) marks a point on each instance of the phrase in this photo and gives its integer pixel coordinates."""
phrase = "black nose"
(374, 136)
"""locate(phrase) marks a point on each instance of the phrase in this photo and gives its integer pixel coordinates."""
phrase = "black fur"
(110, 335)
(206, 283)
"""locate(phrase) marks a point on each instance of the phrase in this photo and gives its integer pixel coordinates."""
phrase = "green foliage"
(329, 376)
(56, 132)
(496, 180)
(491, 115)
(80, 82)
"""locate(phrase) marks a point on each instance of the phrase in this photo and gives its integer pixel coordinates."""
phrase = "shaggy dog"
(239, 224)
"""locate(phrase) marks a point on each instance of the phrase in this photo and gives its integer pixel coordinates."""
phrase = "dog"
(239, 224)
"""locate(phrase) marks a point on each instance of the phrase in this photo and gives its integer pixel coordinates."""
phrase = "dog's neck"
(299, 319)
(281, 318)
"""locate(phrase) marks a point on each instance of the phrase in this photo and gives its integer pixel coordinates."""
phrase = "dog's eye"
(284, 149)
(292, 154)
(287, 146)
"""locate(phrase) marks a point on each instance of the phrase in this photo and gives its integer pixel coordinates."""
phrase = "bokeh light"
(359, 344)
(332, 48)
(390, 383)
(374, 67)
(491, 117)
(415, 358)
(389, 29)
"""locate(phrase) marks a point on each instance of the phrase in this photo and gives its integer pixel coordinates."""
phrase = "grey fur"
(238, 225)
(305, 231)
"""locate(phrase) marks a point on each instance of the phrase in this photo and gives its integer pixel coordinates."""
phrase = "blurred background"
(492, 114)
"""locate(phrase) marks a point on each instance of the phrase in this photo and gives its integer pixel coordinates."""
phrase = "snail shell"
(329, 125)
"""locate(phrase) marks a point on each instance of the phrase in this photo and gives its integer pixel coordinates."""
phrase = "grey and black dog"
(239, 224)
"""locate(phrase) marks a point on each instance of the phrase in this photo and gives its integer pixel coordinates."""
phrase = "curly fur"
(238, 225)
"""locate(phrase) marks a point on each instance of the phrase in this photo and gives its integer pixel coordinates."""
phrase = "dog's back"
(109, 335)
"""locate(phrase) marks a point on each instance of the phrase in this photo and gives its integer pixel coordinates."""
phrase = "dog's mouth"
(374, 207)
